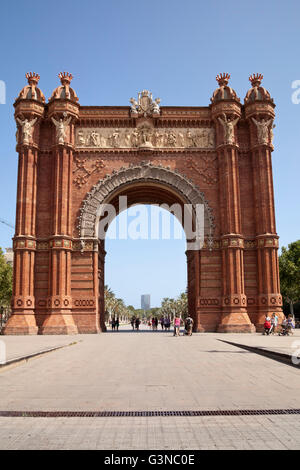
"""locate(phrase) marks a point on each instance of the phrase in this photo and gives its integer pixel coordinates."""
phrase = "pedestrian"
(137, 323)
(176, 326)
(267, 326)
(117, 323)
(290, 324)
(274, 323)
(132, 322)
(156, 322)
(162, 322)
(189, 322)
(167, 323)
(113, 324)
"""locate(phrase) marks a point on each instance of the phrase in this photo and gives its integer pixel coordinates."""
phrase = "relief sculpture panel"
(144, 136)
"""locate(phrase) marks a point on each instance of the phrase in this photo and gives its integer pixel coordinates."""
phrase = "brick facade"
(72, 158)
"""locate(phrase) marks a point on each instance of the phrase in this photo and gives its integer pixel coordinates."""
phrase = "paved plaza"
(149, 371)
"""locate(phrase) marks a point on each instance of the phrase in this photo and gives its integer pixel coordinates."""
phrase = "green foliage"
(289, 270)
(175, 307)
(5, 281)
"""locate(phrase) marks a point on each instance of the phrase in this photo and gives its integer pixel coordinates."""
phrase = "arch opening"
(148, 184)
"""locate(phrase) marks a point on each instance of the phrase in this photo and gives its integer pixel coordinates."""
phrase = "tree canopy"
(5, 281)
(289, 270)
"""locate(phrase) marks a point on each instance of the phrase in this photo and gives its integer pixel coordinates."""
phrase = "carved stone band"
(88, 137)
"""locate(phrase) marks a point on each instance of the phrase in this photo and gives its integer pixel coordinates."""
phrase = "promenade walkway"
(149, 371)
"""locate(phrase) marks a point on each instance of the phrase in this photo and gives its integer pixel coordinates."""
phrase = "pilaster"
(260, 116)
(29, 109)
(234, 317)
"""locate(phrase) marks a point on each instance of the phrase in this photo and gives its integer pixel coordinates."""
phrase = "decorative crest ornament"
(257, 92)
(31, 91)
(256, 79)
(33, 78)
(65, 78)
(223, 79)
(145, 105)
(64, 91)
(224, 92)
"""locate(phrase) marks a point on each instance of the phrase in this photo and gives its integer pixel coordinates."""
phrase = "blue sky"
(173, 48)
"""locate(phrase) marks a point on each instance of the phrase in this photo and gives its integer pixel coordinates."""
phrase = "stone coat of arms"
(145, 105)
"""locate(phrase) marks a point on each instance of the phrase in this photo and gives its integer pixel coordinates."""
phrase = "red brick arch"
(73, 158)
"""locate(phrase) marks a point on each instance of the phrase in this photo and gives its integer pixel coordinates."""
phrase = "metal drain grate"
(135, 414)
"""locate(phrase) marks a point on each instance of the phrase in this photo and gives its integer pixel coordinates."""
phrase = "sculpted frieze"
(144, 136)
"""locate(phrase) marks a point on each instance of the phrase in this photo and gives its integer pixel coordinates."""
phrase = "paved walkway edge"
(19, 360)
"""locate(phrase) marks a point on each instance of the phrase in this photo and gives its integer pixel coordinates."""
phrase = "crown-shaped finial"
(32, 77)
(256, 79)
(223, 79)
(65, 77)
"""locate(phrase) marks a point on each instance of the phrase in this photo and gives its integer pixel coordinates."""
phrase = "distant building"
(145, 302)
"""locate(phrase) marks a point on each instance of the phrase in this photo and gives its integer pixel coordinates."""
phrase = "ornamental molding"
(143, 172)
(206, 167)
(84, 168)
(144, 136)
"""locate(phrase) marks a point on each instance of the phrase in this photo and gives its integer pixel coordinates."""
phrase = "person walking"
(156, 322)
(137, 323)
(274, 323)
(162, 322)
(290, 324)
(132, 322)
(117, 323)
(189, 322)
(113, 324)
(176, 326)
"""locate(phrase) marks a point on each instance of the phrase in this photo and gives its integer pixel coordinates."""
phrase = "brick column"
(269, 299)
(23, 320)
(99, 270)
(234, 313)
(60, 319)
(193, 271)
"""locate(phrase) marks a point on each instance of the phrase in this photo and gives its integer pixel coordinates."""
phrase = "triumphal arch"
(74, 158)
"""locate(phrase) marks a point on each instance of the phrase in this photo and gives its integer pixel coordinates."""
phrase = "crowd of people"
(115, 323)
(135, 323)
(271, 325)
(165, 324)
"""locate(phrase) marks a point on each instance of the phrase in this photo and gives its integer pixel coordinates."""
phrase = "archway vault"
(147, 184)
(143, 174)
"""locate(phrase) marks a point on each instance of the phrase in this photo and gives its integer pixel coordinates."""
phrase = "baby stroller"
(284, 330)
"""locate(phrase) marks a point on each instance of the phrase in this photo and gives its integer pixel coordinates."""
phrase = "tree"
(289, 271)
(5, 281)
(114, 307)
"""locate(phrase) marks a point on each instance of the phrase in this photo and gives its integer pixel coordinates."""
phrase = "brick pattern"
(59, 277)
